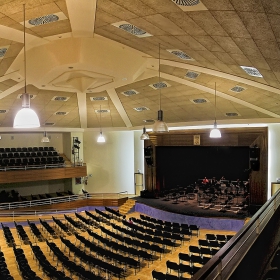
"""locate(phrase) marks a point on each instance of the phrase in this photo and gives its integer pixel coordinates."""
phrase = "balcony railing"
(222, 265)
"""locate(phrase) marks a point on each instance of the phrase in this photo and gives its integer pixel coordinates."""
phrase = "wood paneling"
(17, 176)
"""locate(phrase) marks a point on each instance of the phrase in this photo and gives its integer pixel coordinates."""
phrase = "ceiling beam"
(116, 101)
(82, 17)
(82, 106)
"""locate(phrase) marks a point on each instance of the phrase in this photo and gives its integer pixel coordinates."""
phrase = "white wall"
(273, 155)
(111, 164)
(139, 154)
(25, 139)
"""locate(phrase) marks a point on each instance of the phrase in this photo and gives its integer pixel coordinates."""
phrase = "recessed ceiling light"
(50, 18)
(3, 111)
(59, 113)
(180, 54)
(252, 71)
(149, 121)
(3, 51)
(49, 123)
(32, 96)
(132, 29)
(102, 111)
(186, 2)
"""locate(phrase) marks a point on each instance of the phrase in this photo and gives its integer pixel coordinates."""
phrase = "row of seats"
(31, 161)
(26, 149)
(28, 154)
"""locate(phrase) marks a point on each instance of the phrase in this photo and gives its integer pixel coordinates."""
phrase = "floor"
(143, 274)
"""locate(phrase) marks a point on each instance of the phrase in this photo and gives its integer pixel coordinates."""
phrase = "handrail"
(230, 255)
(60, 199)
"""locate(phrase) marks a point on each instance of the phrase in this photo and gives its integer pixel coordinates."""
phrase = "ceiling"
(109, 55)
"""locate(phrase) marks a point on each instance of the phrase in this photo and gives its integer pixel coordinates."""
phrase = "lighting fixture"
(45, 138)
(215, 132)
(25, 117)
(145, 135)
(100, 138)
(160, 125)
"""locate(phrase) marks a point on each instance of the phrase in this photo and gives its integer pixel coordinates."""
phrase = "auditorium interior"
(119, 178)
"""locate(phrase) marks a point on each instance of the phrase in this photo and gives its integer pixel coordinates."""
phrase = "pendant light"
(45, 138)
(145, 135)
(25, 117)
(215, 132)
(160, 125)
(100, 138)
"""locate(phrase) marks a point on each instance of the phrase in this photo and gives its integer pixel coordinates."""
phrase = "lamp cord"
(215, 101)
(159, 76)
(24, 48)
(100, 119)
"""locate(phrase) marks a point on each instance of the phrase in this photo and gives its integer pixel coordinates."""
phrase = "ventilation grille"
(61, 113)
(199, 100)
(149, 121)
(160, 85)
(99, 98)
(129, 92)
(50, 18)
(102, 111)
(180, 54)
(32, 96)
(3, 52)
(132, 29)
(232, 114)
(3, 111)
(49, 123)
(192, 75)
(60, 98)
(237, 89)
(186, 2)
(252, 71)
(141, 109)
(43, 20)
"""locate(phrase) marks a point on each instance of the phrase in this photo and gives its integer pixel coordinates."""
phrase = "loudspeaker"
(255, 158)
(148, 153)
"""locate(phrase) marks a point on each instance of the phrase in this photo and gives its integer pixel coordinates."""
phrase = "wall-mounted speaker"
(255, 158)
(148, 153)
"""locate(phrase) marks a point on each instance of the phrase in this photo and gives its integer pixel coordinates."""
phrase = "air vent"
(60, 98)
(192, 75)
(141, 109)
(199, 100)
(186, 2)
(44, 19)
(132, 29)
(160, 85)
(180, 54)
(252, 71)
(232, 114)
(102, 111)
(3, 111)
(49, 123)
(61, 113)
(99, 98)
(32, 96)
(237, 89)
(149, 121)
(3, 51)
(129, 92)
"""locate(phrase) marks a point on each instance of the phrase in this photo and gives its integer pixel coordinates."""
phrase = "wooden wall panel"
(17, 176)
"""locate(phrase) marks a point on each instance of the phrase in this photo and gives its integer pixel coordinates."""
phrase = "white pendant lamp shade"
(160, 125)
(145, 135)
(45, 138)
(26, 118)
(215, 132)
(100, 138)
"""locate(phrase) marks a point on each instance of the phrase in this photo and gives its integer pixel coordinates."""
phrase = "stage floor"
(191, 208)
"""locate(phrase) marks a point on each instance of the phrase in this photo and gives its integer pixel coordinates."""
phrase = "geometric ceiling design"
(83, 56)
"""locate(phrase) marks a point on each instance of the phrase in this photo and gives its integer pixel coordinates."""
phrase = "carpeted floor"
(191, 208)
